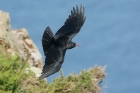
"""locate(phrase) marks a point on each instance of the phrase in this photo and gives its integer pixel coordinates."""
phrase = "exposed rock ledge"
(19, 42)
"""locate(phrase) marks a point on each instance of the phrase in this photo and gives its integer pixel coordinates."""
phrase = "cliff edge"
(21, 64)
(19, 42)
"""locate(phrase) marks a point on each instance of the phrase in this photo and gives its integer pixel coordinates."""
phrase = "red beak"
(77, 45)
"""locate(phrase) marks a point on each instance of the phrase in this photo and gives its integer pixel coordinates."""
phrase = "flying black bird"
(55, 46)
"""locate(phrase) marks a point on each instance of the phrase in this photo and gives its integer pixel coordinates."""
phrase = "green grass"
(11, 72)
(14, 79)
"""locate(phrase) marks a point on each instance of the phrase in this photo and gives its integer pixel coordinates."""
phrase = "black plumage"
(55, 46)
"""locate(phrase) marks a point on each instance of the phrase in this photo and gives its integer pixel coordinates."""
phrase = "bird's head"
(72, 45)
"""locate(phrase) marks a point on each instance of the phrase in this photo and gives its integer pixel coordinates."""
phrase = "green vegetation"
(15, 79)
(11, 72)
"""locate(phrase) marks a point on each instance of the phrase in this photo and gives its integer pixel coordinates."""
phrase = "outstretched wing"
(72, 25)
(47, 39)
(53, 61)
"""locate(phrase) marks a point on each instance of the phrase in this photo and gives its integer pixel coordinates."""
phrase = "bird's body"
(55, 46)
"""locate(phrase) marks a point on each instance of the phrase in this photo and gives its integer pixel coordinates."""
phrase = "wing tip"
(40, 78)
(44, 75)
(79, 12)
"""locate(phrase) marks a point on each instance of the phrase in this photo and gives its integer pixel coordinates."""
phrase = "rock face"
(4, 23)
(19, 42)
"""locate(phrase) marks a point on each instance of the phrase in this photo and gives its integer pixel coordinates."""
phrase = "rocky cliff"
(17, 77)
(18, 42)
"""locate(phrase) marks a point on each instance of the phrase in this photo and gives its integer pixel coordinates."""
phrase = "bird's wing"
(53, 61)
(72, 25)
(47, 39)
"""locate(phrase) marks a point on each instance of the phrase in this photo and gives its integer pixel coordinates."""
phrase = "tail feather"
(47, 39)
(49, 70)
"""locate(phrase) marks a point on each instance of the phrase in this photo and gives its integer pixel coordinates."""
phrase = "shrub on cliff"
(14, 78)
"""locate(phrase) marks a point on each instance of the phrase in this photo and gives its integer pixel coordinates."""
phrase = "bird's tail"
(47, 39)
